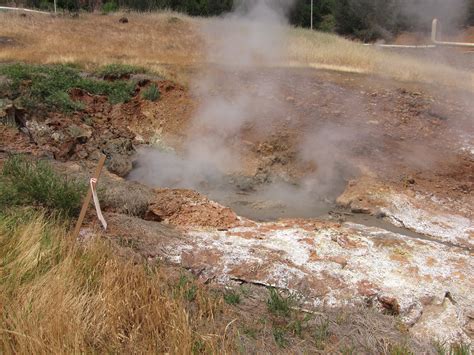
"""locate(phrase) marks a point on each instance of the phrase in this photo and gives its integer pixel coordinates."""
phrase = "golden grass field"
(66, 298)
(167, 42)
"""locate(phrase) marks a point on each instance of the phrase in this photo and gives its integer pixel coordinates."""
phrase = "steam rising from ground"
(245, 41)
(236, 96)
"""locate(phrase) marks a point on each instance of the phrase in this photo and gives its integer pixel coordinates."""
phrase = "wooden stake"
(88, 198)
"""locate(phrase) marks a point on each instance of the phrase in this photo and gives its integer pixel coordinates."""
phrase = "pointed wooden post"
(88, 198)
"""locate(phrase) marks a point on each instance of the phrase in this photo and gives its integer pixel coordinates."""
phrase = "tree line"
(367, 20)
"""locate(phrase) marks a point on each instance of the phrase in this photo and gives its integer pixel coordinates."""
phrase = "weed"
(321, 334)
(231, 297)
(27, 182)
(278, 304)
(118, 71)
(151, 93)
(279, 336)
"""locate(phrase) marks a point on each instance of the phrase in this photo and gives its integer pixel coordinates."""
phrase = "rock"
(390, 304)
(80, 133)
(361, 210)
(442, 323)
(120, 164)
(122, 146)
(40, 132)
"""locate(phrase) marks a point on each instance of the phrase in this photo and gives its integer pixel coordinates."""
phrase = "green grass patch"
(279, 304)
(119, 71)
(151, 93)
(231, 297)
(33, 182)
(48, 86)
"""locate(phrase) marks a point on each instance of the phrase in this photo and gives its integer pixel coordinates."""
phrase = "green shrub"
(33, 182)
(151, 93)
(109, 7)
(49, 86)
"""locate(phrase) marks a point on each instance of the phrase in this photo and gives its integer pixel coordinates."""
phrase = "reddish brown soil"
(409, 135)
(189, 208)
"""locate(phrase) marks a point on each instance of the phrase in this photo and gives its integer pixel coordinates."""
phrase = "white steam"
(236, 96)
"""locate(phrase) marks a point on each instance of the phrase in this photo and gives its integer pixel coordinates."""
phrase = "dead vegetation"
(168, 44)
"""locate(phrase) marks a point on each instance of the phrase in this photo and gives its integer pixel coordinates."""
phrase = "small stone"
(390, 304)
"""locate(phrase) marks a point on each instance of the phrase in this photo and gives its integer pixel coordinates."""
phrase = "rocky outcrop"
(328, 264)
(425, 214)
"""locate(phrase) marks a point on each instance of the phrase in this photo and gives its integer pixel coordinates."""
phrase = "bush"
(109, 7)
(328, 23)
(33, 182)
(151, 93)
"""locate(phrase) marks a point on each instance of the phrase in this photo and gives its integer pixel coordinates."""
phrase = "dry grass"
(154, 41)
(58, 297)
(328, 51)
(169, 42)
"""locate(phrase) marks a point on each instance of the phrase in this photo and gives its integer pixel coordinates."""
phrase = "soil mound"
(182, 207)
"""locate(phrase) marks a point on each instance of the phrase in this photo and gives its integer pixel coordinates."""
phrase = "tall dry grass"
(60, 297)
(329, 51)
(167, 42)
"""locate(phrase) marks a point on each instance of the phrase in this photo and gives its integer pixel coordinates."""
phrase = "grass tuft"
(321, 334)
(33, 182)
(151, 93)
(231, 297)
(279, 304)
